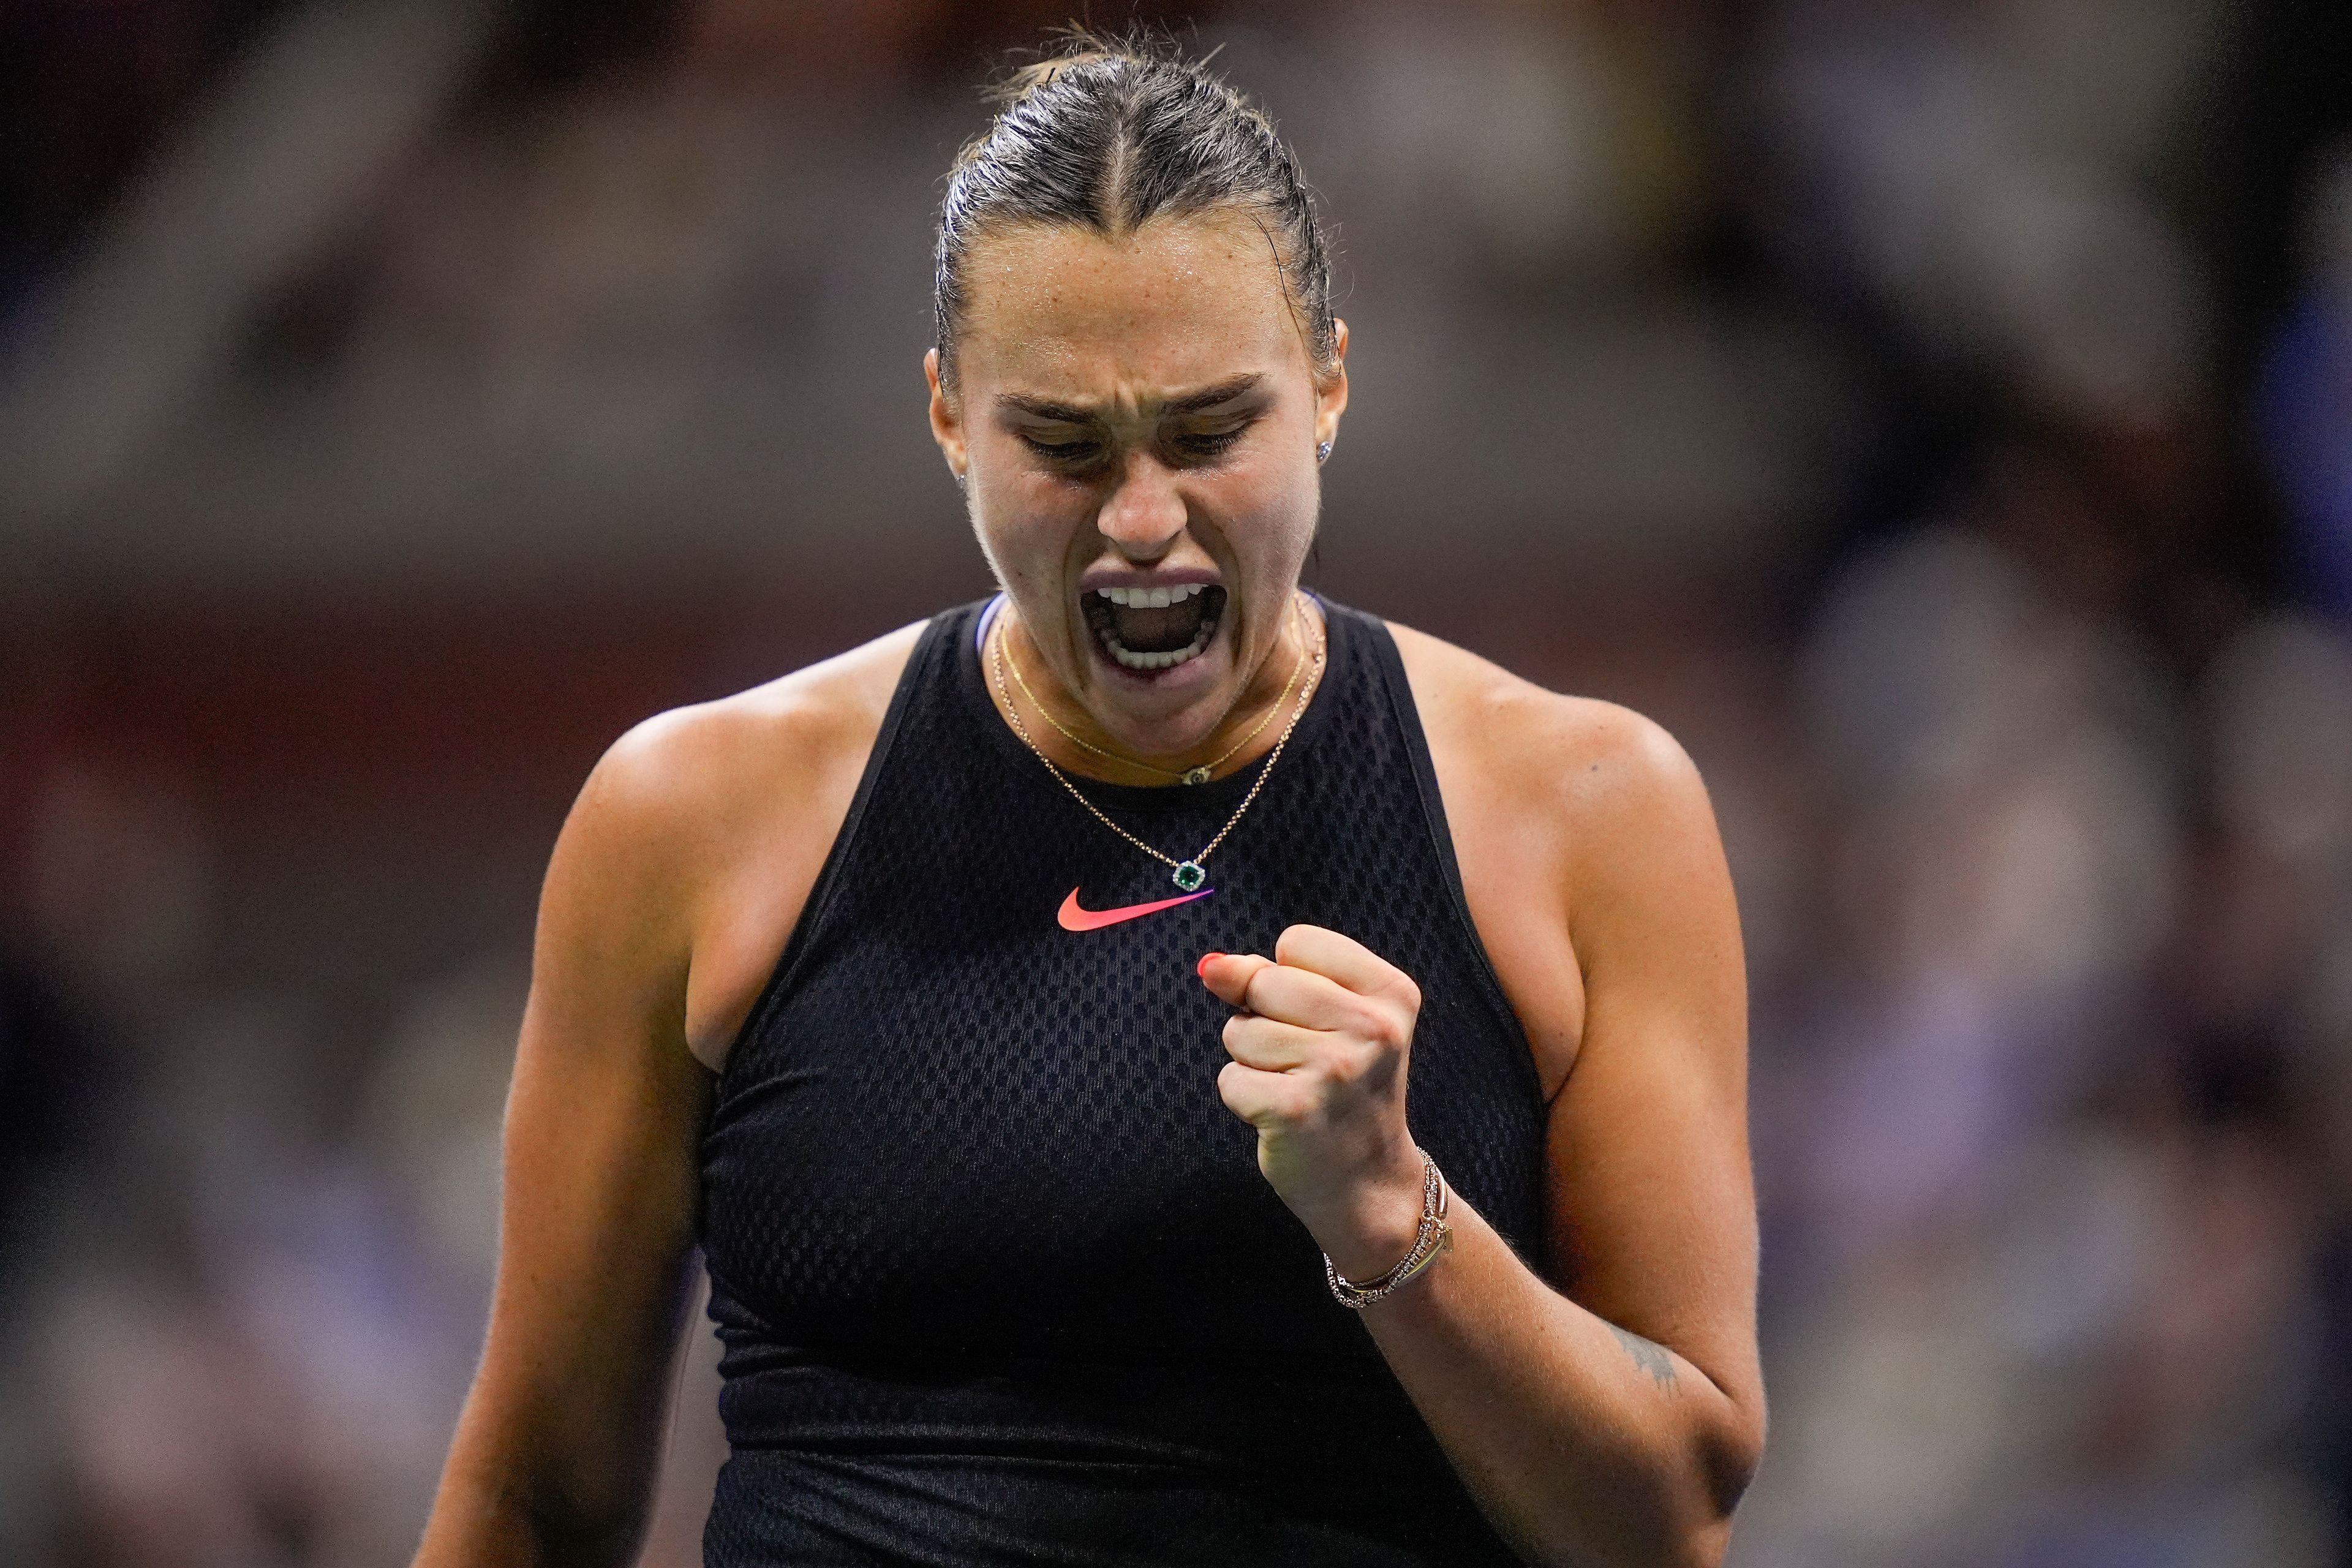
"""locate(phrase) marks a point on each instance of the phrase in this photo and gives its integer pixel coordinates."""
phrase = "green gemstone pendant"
(1197, 776)
(1190, 876)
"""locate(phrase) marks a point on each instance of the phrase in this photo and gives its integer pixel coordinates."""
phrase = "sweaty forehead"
(1061, 311)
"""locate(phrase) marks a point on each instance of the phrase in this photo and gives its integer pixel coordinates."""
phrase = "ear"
(947, 423)
(1331, 394)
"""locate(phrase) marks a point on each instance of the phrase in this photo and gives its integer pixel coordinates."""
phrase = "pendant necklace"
(1188, 874)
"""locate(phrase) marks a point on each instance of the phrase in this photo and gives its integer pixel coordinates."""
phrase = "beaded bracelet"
(1434, 1236)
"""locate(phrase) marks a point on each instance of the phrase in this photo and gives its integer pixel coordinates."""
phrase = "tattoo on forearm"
(1650, 1356)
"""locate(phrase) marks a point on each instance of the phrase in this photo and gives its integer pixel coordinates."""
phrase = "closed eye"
(1211, 445)
(1069, 452)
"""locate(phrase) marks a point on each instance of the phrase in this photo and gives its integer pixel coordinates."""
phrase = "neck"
(1062, 727)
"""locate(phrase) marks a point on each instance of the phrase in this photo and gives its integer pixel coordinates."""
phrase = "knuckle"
(1253, 988)
(1297, 942)
(1253, 1044)
(1365, 1060)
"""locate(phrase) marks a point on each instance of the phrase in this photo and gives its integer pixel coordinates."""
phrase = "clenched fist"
(1319, 1051)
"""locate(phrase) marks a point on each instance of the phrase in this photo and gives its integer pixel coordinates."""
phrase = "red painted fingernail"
(1202, 968)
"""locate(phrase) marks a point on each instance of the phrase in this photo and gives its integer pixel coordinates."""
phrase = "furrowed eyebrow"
(1224, 391)
(1069, 414)
(1038, 407)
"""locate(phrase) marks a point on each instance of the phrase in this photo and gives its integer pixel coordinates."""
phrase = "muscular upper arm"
(661, 890)
(1652, 1201)
(557, 1446)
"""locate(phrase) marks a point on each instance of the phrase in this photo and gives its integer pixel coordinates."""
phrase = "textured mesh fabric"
(996, 1273)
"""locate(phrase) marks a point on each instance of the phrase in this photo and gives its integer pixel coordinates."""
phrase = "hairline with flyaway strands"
(1109, 134)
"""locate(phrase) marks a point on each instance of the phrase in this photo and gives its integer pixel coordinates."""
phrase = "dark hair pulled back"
(1106, 135)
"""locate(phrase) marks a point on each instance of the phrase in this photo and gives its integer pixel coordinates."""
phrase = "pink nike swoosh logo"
(1075, 919)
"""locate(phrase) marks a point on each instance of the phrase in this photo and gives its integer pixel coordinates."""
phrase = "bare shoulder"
(699, 766)
(1545, 749)
(1584, 837)
(694, 840)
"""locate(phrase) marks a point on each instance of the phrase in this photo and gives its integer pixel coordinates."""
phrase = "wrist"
(1380, 1224)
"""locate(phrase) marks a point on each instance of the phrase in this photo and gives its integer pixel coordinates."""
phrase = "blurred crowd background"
(1937, 413)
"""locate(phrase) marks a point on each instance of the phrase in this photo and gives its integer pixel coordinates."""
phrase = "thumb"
(1228, 975)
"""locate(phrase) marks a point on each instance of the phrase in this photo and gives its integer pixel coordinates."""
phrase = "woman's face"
(1139, 414)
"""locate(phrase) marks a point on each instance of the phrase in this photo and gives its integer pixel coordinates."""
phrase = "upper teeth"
(1151, 598)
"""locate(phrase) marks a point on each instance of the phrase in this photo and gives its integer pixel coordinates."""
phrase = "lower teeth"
(1130, 659)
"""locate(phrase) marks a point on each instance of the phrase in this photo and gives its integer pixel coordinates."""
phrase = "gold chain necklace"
(1193, 776)
(1187, 873)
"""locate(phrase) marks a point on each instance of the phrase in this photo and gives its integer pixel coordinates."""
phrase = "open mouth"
(1147, 629)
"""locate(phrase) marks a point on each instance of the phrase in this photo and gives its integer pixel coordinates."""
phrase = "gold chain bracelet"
(1434, 1236)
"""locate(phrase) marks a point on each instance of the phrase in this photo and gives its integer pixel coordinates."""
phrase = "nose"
(1144, 514)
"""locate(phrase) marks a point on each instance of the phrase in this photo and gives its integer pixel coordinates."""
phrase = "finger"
(1267, 1100)
(1228, 975)
(1312, 1000)
(1270, 1046)
(1346, 961)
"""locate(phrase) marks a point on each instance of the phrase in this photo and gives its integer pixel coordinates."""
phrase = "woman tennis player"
(1163, 1068)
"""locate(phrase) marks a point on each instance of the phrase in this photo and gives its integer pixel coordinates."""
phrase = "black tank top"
(996, 1274)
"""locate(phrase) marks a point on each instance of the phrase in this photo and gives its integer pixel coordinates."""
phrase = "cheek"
(1034, 536)
(1272, 513)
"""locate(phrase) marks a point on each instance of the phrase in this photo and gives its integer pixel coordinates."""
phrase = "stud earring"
(1322, 451)
(959, 478)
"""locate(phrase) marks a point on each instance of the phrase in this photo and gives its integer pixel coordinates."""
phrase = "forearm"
(490, 1532)
(495, 1506)
(560, 1442)
(1584, 1444)
(477, 1531)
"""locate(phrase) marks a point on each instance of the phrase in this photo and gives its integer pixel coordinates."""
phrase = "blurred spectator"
(2305, 405)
